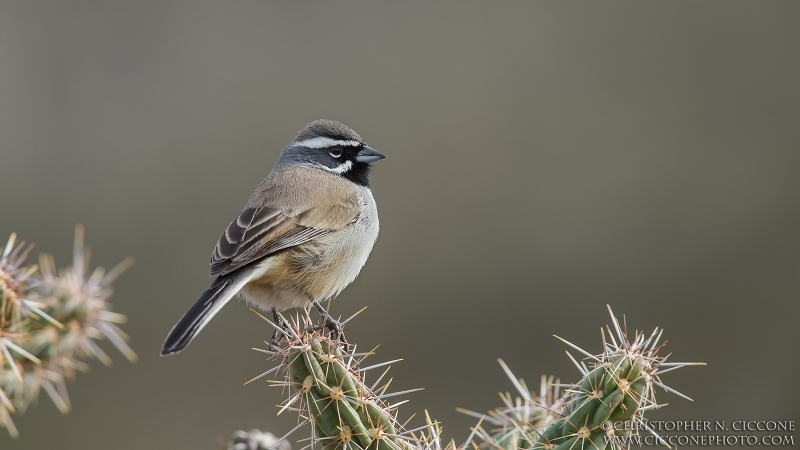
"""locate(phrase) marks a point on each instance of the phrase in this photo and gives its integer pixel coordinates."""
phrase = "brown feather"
(290, 207)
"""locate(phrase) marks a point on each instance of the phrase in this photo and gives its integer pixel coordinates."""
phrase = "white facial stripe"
(340, 169)
(324, 142)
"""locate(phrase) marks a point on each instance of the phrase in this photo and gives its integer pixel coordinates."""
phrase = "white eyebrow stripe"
(340, 169)
(325, 142)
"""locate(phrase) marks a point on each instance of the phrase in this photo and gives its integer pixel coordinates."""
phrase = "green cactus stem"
(616, 389)
(329, 390)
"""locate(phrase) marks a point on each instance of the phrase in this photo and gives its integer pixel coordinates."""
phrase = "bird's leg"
(328, 322)
(276, 335)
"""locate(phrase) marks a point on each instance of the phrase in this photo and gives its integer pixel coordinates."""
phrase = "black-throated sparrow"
(304, 235)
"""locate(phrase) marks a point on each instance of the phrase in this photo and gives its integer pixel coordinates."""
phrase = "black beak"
(368, 155)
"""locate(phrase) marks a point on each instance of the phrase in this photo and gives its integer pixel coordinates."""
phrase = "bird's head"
(331, 146)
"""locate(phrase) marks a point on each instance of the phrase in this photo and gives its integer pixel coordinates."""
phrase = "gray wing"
(261, 231)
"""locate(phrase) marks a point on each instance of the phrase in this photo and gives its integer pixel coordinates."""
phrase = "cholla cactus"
(329, 390)
(522, 418)
(49, 324)
(617, 387)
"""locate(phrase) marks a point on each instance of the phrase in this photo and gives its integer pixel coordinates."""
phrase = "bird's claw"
(277, 334)
(274, 340)
(334, 327)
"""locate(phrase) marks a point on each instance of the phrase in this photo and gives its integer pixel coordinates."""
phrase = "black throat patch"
(358, 174)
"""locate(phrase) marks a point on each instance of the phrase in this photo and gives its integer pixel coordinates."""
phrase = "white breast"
(355, 245)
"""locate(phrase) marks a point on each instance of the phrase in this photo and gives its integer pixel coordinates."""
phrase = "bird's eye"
(336, 152)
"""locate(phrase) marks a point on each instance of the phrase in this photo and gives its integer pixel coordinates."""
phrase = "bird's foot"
(334, 326)
(277, 334)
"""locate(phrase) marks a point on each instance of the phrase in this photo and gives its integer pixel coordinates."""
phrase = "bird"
(302, 237)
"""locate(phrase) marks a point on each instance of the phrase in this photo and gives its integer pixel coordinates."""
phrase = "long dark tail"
(215, 297)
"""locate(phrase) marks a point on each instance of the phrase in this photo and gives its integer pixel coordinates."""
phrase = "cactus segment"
(616, 389)
(328, 390)
(604, 411)
(617, 386)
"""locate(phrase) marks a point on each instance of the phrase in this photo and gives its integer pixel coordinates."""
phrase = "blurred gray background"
(544, 159)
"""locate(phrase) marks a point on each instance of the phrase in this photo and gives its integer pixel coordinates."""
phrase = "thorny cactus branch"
(329, 390)
(49, 323)
(618, 385)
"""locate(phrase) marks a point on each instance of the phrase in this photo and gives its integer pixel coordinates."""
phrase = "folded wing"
(259, 232)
